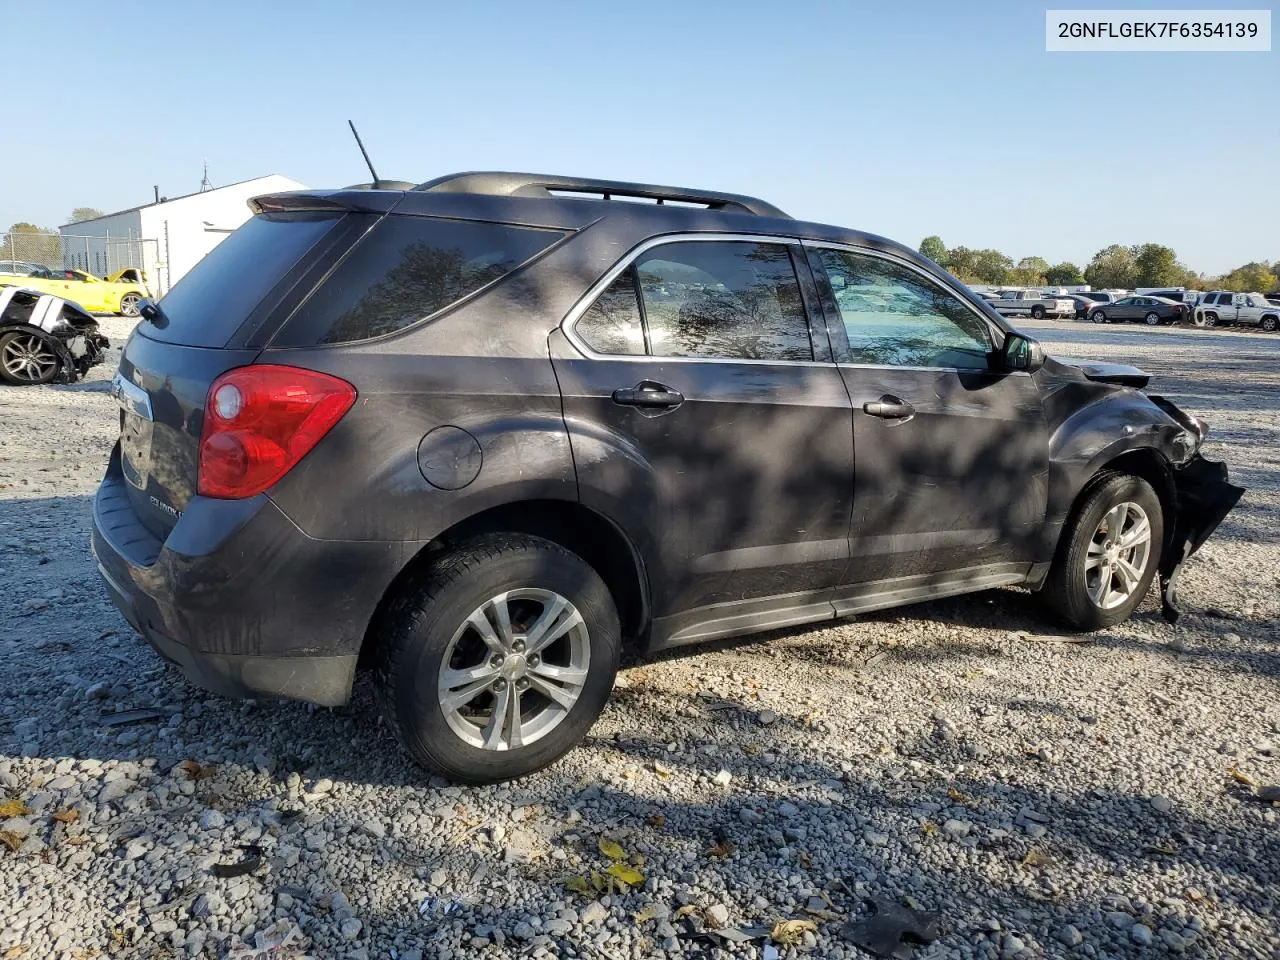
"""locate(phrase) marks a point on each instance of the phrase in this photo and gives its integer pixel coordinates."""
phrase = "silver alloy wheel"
(514, 669)
(1153, 319)
(1117, 556)
(28, 357)
(129, 304)
(1099, 317)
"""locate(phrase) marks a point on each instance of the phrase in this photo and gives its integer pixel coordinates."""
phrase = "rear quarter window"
(408, 269)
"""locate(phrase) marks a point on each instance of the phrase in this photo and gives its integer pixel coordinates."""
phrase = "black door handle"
(889, 408)
(648, 394)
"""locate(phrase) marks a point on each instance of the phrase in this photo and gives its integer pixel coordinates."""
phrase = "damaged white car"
(44, 338)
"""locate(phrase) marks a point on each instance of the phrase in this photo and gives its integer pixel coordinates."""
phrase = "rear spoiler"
(360, 199)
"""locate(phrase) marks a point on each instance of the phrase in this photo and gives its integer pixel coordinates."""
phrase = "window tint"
(406, 269)
(210, 302)
(612, 324)
(897, 317)
(727, 299)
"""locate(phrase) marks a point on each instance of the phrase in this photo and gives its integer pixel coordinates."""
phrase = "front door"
(703, 423)
(950, 453)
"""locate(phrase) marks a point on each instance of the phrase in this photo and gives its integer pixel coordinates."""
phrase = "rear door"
(707, 419)
(951, 454)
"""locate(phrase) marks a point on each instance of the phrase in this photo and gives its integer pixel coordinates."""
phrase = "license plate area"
(135, 431)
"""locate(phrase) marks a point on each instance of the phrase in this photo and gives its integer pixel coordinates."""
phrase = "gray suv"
(480, 434)
(1222, 308)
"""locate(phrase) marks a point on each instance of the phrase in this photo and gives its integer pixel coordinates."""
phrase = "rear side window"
(405, 270)
(732, 300)
(612, 324)
(215, 297)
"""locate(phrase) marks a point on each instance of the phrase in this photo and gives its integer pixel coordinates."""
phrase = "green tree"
(992, 266)
(1111, 266)
(1156, 265)
(84, 213)
(934, 249)
(1250, 278)
(1030, 272)
(1063, 274)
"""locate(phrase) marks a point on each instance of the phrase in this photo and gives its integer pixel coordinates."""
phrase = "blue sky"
(902, 118)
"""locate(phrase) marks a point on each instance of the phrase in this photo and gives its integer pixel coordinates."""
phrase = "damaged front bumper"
(1204, 498)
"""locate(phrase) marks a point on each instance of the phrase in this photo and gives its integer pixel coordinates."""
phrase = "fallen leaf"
(10, 840)
(578, 884)
(1037, 858)
(722, 850)
(14, 952)
(806, 861)
(956, 795)
(791, 932)
(13, 808)
(657, 820)
(929, 827)
(684, 911)
(628, 875)
(643, 915)
(1239, 776)
(77, 841)
(1163, 850)
(70, 815)
(612, 849)
(753, 749)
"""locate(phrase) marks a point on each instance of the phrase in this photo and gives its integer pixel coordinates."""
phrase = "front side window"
(733, 300)
(894, 316)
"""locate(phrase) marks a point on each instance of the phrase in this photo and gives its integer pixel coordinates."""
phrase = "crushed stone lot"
(1048, 795)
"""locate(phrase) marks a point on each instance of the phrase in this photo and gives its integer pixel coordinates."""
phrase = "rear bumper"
(239, 598)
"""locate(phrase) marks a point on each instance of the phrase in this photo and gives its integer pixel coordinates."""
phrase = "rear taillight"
(259, 421)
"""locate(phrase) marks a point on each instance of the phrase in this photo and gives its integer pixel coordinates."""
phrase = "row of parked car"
(1219, 308)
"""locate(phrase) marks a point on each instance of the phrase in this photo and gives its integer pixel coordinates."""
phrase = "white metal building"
(170, 236)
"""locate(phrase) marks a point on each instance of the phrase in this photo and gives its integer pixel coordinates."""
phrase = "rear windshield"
(215, 297)
(405, 270)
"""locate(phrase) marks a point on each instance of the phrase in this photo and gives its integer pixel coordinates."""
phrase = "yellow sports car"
(118, 293)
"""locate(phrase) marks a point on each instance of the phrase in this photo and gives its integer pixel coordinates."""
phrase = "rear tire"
(429, 647)
(129, 304)
(1152, 319)
(1085, 587)
(1037, 313)
(1098, 316)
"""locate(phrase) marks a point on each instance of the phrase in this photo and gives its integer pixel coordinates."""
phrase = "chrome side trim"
(132, 398)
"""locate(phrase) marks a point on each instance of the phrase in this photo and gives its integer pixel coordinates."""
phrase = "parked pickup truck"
(1246, 309)
(1011, 302)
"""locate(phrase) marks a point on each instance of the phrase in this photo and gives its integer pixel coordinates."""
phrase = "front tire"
(1098, 316)
(499, 660)
(1210, 319)
(1109, 553)
(28, 358)
(1269, 324)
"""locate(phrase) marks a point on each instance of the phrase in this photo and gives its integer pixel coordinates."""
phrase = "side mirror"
(1022, 353)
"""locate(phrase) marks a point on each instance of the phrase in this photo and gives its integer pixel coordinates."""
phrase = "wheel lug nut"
(499, 685)
(518, 646)
(534, 660)
(495, 660)
(522, 684)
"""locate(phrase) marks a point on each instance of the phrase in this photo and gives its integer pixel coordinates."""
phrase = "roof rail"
(505, 184)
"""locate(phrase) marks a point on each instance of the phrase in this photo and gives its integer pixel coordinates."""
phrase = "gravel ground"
(1046, 795)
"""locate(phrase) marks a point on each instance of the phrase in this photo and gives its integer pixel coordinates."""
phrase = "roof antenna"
(369, 163)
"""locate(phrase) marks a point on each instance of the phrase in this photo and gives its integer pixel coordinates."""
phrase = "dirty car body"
(656, 423)
(45, 339)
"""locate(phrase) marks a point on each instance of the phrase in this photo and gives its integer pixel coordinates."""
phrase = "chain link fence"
(100, 255)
